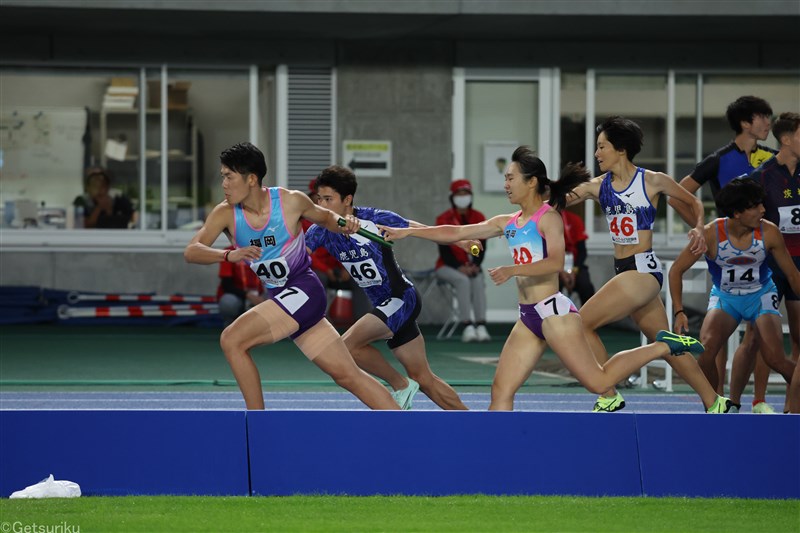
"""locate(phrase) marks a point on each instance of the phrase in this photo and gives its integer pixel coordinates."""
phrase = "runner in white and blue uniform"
(535, 235)
(397, 303)
(629, 196)
(743, 287)
(264, 224)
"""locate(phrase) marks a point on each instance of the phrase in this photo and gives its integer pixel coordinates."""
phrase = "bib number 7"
(556, 305)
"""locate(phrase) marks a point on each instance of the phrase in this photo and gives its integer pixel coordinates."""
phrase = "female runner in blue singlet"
(536, 237)
(629, 196)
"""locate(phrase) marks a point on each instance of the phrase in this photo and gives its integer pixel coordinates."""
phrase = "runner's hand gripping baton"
(368, 234)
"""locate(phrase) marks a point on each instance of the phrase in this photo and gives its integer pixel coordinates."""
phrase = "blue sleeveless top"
(283, 256)
(371, 265)
(527, 243)
(627, 211)
(738, 271)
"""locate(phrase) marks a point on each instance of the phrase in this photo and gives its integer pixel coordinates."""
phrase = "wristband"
(679, 311)
(225, 256)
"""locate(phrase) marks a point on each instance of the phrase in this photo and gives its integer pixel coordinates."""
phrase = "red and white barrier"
(75, 297)
(66, 312)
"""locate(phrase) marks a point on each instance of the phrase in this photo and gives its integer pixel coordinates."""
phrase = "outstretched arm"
(319, 215)
(665, 184)
(589, 190)
(449, 234)
(683, 209)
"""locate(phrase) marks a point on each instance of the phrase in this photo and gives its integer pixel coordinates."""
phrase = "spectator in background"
(461, 269)
(102, 207)
(575, 276)
(239, 289)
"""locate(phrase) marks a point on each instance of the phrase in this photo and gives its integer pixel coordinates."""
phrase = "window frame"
(136, 239)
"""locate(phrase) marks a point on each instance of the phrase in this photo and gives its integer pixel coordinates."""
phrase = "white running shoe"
(483, 335)
(469, 334)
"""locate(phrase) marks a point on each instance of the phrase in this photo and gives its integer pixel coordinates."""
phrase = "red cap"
(460, 185)
(312, 185)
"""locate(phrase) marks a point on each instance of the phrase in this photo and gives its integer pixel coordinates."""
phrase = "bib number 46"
(622, 226)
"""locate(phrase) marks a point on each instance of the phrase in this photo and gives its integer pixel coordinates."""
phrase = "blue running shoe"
(680, 344)
(404, 397)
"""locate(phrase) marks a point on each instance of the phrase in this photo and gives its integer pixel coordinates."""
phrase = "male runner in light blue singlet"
(749, 118)
(743, 287)
(396, 300)
(264, 225)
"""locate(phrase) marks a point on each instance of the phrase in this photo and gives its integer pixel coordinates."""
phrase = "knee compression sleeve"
(279, 324)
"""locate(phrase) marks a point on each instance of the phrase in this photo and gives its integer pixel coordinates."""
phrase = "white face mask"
(462, 201)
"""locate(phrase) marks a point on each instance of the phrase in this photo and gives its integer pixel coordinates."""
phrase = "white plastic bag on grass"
(49, 488)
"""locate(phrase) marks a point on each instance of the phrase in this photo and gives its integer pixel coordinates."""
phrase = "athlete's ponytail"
(572, 175)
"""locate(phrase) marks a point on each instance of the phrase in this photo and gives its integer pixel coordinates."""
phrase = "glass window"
(50, 119)
(499, 115)
(643, 99)
(60, 123)
(208, 112)
(573, 123)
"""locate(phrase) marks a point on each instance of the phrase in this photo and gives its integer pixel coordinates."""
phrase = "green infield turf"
(457, 514)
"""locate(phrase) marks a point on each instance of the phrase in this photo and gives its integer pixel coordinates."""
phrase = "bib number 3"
(647, 263)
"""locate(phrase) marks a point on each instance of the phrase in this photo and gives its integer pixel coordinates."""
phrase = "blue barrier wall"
(744, 456)
(438, 453)
(126, 452)
(426, 452)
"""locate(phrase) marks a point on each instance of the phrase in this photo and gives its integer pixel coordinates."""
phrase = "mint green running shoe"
(680, 344)
(763, 408)
(404, 397)
(723, 405)
(609, 405)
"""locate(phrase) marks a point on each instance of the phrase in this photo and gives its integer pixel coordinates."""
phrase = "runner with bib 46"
(629, 197)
